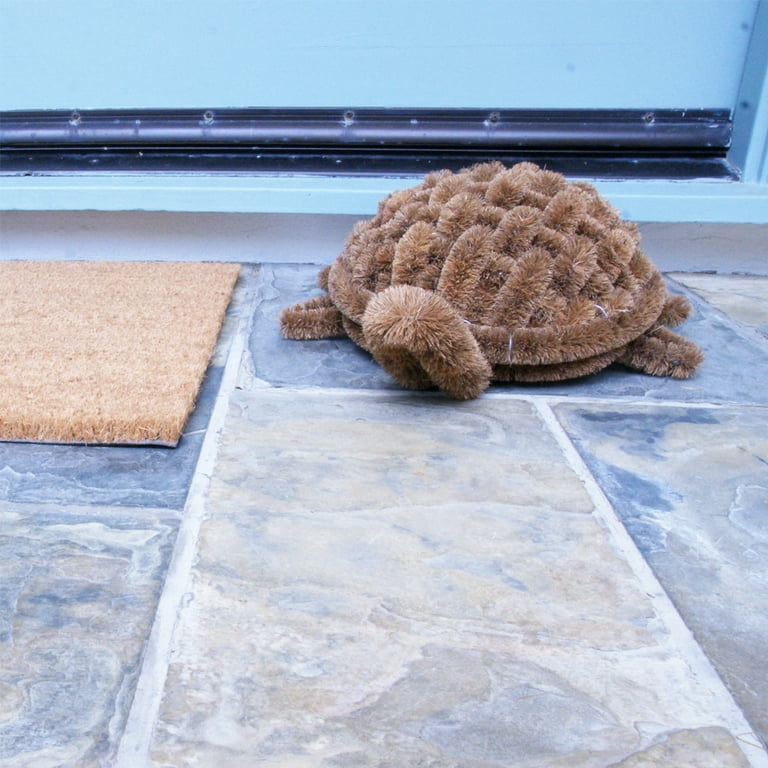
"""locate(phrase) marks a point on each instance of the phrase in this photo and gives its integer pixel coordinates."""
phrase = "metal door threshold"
(634, 144)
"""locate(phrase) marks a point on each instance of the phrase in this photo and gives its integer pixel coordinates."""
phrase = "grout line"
(528, 397)
(135, 743)
(680, 634)
(623, 401)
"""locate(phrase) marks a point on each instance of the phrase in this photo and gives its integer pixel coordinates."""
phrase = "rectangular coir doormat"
(106, 352)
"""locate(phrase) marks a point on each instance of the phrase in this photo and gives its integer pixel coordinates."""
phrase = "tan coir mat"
(106, 352)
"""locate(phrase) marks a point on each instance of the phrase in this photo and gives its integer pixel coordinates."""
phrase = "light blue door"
(494, 54)
(400, 53)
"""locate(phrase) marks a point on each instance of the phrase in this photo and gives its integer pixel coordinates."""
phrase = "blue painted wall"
(420, 53)
(406, 53)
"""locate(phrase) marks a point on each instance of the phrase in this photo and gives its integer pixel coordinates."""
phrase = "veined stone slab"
(744, 297)
(78, 591)
(691, 486)
(321, 363)
(398, 581)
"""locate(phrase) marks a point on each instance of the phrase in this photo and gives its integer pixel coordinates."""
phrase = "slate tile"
(78, 592)
(743, 297)
(392, 580)
(691, 486)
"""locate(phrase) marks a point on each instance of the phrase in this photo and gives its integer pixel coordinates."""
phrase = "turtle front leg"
(661, 352)
(316, 318)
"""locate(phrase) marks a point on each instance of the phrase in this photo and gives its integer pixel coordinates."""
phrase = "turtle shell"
(544, 273)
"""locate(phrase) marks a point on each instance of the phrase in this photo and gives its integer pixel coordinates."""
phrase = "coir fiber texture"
(498, 274)
(106, 352)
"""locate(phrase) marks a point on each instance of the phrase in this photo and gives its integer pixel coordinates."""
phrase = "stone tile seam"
(623, 401)
(135, 744)
(296, 391)
(680, 634)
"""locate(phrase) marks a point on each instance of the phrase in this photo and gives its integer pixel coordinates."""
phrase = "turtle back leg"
(661, 352)
(316, 318)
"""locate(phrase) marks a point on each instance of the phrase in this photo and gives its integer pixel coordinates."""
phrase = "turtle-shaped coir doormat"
(497, 274)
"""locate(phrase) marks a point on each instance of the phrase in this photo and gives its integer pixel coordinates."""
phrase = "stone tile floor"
(331, 572)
